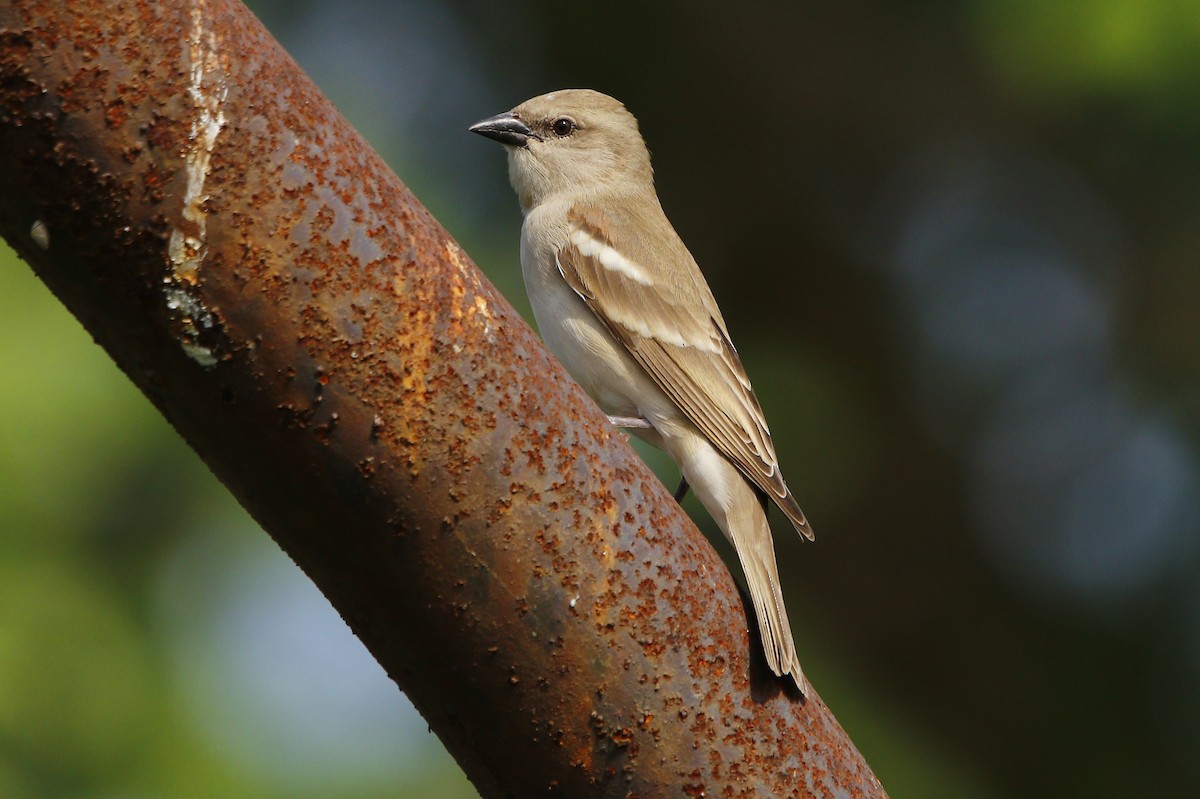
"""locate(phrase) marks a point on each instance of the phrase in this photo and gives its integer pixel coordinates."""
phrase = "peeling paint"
(40, 235)
(208, 91)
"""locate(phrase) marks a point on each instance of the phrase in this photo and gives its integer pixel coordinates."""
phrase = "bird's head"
(573, 140)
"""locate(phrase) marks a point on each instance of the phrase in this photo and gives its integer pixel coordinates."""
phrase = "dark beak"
(506, 129)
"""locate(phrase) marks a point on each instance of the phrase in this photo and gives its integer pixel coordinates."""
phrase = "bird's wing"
(668, 320)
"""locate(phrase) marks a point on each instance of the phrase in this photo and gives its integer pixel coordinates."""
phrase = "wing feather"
(670, 324)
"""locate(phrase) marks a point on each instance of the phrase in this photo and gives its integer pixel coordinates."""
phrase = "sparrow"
(622, 304)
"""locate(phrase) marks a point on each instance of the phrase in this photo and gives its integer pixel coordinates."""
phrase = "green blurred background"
(956, 244)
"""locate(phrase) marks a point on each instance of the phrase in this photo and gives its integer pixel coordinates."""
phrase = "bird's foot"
(630, 422)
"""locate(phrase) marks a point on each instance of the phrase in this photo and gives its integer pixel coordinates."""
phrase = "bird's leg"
(681, 492)
(641, 423)
(630, 422)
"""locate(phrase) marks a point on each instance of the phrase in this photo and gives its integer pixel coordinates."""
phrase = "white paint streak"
(454, 255)
(40, 235)
(609, 257)
(484, 312)
(478, 310)
(188, 243)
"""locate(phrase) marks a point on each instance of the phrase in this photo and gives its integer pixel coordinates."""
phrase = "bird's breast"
(597, 361)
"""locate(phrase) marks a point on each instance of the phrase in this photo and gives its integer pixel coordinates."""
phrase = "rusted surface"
(339, 362)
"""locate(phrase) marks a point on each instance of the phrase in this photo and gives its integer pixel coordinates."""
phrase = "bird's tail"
(751, 537)
(735, 506)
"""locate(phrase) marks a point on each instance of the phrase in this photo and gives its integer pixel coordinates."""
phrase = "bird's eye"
(563, 126)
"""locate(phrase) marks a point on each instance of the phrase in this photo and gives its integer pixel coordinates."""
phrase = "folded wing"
(668, 320)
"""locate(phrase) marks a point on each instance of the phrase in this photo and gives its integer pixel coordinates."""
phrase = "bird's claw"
(630, 422)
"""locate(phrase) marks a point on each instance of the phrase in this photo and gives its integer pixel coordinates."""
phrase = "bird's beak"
(506, 129)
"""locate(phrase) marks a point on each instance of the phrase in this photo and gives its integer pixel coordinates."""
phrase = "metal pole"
(342, 366)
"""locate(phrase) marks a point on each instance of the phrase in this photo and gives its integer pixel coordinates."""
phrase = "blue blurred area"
(956, 246)
(274, 679)
(1007, 270)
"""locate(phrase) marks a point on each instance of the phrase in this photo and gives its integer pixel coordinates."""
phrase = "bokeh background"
(956, 243)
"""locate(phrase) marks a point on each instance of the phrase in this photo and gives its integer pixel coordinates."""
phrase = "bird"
(621, 302)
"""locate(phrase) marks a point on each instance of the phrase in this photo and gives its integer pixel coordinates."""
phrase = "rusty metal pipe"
(341, 365)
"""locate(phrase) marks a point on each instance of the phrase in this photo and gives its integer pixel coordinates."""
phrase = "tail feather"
(735, 505)
(751, 537)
